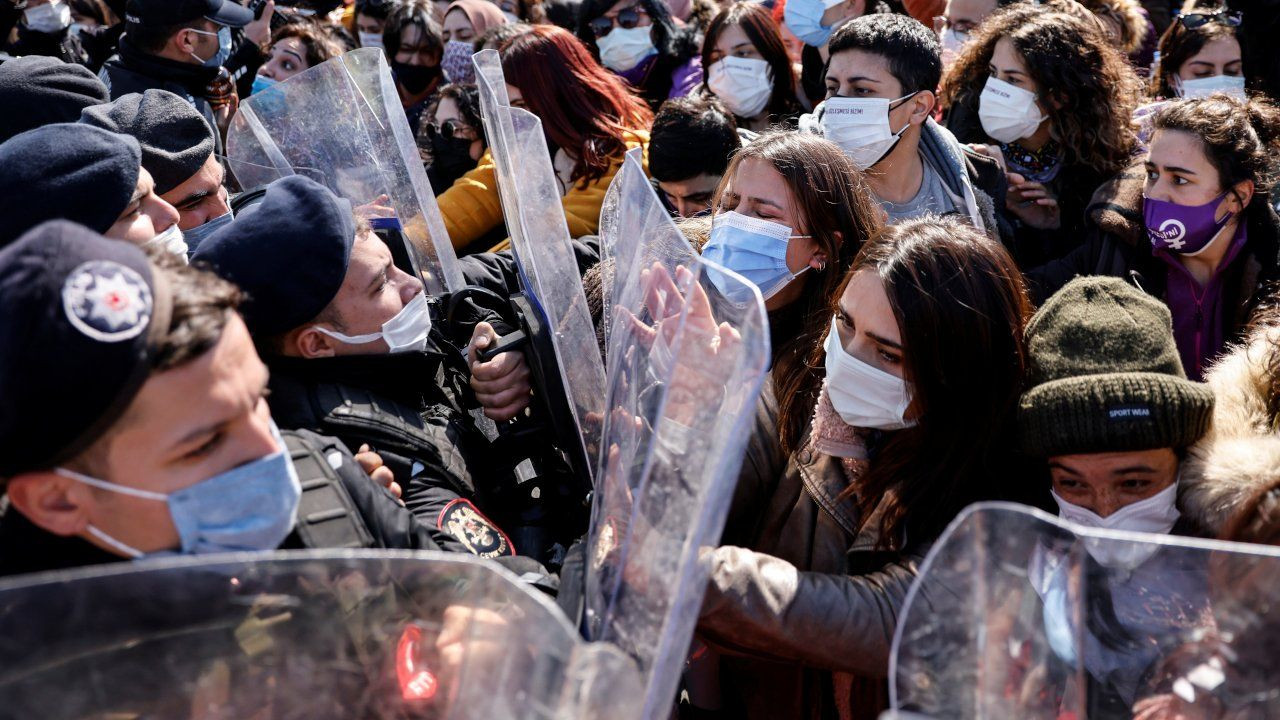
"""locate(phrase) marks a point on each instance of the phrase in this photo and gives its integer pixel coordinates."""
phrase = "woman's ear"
(818, 261)
(1242, 192)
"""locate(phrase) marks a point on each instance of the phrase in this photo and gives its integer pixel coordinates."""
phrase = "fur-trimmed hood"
(1240, 454)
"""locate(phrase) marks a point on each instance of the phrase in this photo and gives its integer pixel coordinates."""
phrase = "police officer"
(177, 149)
(39, 90)
(87, 175)
(356, 351)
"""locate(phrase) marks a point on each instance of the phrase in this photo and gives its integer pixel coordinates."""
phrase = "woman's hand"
(1033, 203)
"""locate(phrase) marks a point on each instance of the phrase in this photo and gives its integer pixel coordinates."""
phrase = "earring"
(822, 266)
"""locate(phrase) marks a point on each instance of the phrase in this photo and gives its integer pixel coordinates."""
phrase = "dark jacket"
(26, 548)
(1116, 244)
(133, 71)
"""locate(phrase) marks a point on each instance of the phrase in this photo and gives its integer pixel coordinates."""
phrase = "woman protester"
(453, 140)
(295, 47)
(640, 42)
(923, 363)
(464, 23)
(1050, 96)
(413, 45)
(1200, 55)
(1192, 224)
(745, 64)
(590, 121)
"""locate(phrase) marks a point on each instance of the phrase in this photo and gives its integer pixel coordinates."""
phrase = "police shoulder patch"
(476, 532)
(106, 301)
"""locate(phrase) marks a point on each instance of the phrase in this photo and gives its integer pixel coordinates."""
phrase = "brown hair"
(1086, 87)
(1240, 139)
(764, 34)
(202, 305)
(317, 45)
(1179, 44)
(961, 308)
(1127, 14)
(837, 209)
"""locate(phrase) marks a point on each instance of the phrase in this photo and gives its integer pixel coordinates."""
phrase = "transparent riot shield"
(1017, 614)
(341, 124)
(334, 634)
(552, 286)
(686, 365)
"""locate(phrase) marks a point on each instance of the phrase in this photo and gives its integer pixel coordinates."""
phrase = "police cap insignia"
(106, 301)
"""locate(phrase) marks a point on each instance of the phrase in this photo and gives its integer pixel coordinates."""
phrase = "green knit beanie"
(1104, 375)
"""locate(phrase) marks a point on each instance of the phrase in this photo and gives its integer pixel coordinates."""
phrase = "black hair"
(404, 14)
(152, 38)
(912, 50)
(378, 9)
(675, 44)
(691, 136)
(563, 13)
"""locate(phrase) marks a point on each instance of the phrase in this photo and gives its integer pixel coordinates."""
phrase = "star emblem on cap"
(106, 301)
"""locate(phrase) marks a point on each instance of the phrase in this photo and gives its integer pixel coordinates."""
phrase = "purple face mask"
(1184, 229)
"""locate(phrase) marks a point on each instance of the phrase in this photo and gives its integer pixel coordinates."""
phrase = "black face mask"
(415, 78)
(450, 159)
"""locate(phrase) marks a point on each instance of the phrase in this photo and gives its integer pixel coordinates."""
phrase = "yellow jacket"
(471, 206)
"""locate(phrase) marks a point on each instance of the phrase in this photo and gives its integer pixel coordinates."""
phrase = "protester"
(87, 175)
(43, 28)
(590, 121)
(880, 99)
(464, 22)
(40, 90)
(295, 47)
(1199, 55)
(452, 140)
(745, 64)
(690, 146)
(348, 339)
(1192, 224)
(98, 27)
(640, 42)
(179, 46)
(1051, 97)
(528, 11)
(958, 21)
(371, 19)
(791, 214)
(177, 150)
(924, 362)
(411, 40)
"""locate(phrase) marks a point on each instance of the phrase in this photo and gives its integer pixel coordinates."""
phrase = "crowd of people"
(1009, 250)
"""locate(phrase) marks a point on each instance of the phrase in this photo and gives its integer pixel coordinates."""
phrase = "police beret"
(71, 171)
(175, 138)
(77, 314)
(289, 253)
(40, 90)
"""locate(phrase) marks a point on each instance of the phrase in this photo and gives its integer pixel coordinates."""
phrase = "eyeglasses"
(627, 19)
(941, 24)
(1230, 18)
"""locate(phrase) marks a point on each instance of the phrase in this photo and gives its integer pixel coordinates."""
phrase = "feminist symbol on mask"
(1173, 232)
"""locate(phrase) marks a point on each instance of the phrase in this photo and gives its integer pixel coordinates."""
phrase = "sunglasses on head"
(1230, 18)
(627, 19)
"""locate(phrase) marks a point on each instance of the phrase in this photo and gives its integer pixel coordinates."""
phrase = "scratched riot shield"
(1017, 614)
(333, 634)
(341, 124)
(687, 353)
(552, 302)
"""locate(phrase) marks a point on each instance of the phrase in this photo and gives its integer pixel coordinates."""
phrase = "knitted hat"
(1104, 375)
(37, 90)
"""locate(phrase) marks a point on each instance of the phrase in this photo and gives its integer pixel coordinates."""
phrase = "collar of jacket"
(944, 152)
(396, 375)
(825, 480)
(1116, 206)
(195, 78)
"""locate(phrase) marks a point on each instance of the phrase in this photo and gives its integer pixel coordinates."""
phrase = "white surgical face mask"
(171, 241)
(1156, 514)
(860, 126)
(743, 84)
(623, 49)
(368, 39)
(406, 332)
(1204, 87)
(1008, 112)
(50, 19)
(862, 395)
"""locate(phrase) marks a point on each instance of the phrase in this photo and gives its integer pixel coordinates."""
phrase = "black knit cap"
(70, 171)
(175, 138)
(1104, 375)
(289, 253)
(77, 315)
(39, 90)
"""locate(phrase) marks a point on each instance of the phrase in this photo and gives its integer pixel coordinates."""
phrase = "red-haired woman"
(588, 116)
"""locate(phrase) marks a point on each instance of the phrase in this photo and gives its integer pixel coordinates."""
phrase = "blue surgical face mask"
(754, 248)
(224, 47)
(249, 508)
(260, 83)
(804, 19)
(196, 235)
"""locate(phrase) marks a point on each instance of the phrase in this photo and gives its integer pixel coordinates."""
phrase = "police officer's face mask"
(249, 508)
(406, 332)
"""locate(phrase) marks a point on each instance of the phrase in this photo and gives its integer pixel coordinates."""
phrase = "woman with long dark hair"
(590, 121)
(1200, 54)
(745, 64)
(790, 215)
(1056, 100)
(640, 42)
(923, 361)
(411, 39)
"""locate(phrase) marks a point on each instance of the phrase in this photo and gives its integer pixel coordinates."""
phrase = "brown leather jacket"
(801, 605)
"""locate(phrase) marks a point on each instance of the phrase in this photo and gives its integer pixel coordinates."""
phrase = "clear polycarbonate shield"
(341, 124)
(335, 634)
(686, 366)
(548, 269)
(1017, 614)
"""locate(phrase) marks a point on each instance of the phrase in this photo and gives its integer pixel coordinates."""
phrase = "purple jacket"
(1199, 325)
(684, 79)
